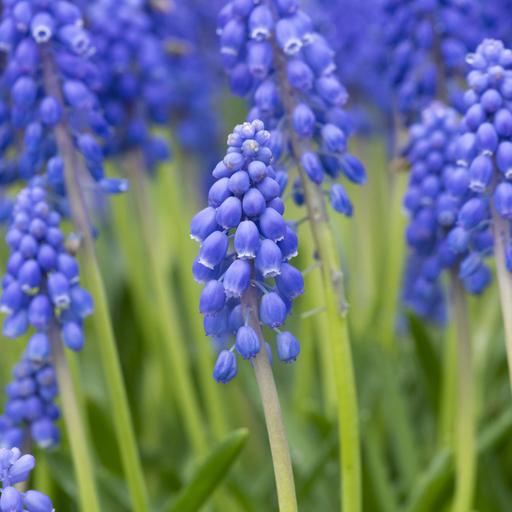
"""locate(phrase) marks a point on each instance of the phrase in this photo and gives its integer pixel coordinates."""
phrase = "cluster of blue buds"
(31, 408)
(50, 81)
(486, 145)
(135, 77)
(435, 199)
(41, 285)
(14, 469)
(245, 242)
(429, 41)
(274, 56)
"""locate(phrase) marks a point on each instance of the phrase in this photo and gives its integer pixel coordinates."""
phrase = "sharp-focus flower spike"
(241, 260)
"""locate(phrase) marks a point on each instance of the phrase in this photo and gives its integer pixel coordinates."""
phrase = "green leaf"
(210, 473)
(428, 359)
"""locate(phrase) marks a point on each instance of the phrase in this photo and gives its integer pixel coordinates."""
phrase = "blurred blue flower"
(41, 284)
(287, 70)
(435, 199)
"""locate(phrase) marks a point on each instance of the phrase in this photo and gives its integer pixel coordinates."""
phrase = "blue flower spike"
(245, 243)
(447, 217)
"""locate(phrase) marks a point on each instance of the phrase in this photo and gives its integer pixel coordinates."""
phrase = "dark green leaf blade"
(210, 473)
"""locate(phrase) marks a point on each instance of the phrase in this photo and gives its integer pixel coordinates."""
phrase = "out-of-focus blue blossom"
(134, 76)
(354, 30)
(428, 41)
(41, 284)
(245, 242)
(286, 69)
(437, 192)
(486, 144)
(197, 81)
(50, 83)
(30, 409)
(16, 468)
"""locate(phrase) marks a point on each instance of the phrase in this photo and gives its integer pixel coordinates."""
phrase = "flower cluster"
(429, 42)
(50, 82)
(15, 468)
(486, 145)
(41, 285)
(436, 236)
(274, 56)
(30, 399)
(246, 244)
(134, 76)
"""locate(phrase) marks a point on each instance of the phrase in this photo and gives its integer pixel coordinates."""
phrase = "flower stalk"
(336, 307)
(465, 456)
(281, 458)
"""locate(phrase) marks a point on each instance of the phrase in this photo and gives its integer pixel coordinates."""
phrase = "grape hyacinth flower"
(15, 468)
(428, 41)
(196, 83)
(243, 262)
(51, 85)
(438, 189)
(134, 77)
(246, 244)
(274, 56)
(31, 407)
(42, 282)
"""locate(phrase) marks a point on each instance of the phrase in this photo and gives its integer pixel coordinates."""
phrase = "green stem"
(465, 459)
(101, 318)
(281, 459)
(341, 354)
(171, 330)
(334, 295)
(77, 438)
(501, 237)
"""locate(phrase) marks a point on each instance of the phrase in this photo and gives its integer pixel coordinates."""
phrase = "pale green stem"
(101, 318)
(281, 459)
(334, 294)
(171, 330)
(501, 231)
(465, 457)
(77, 438)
